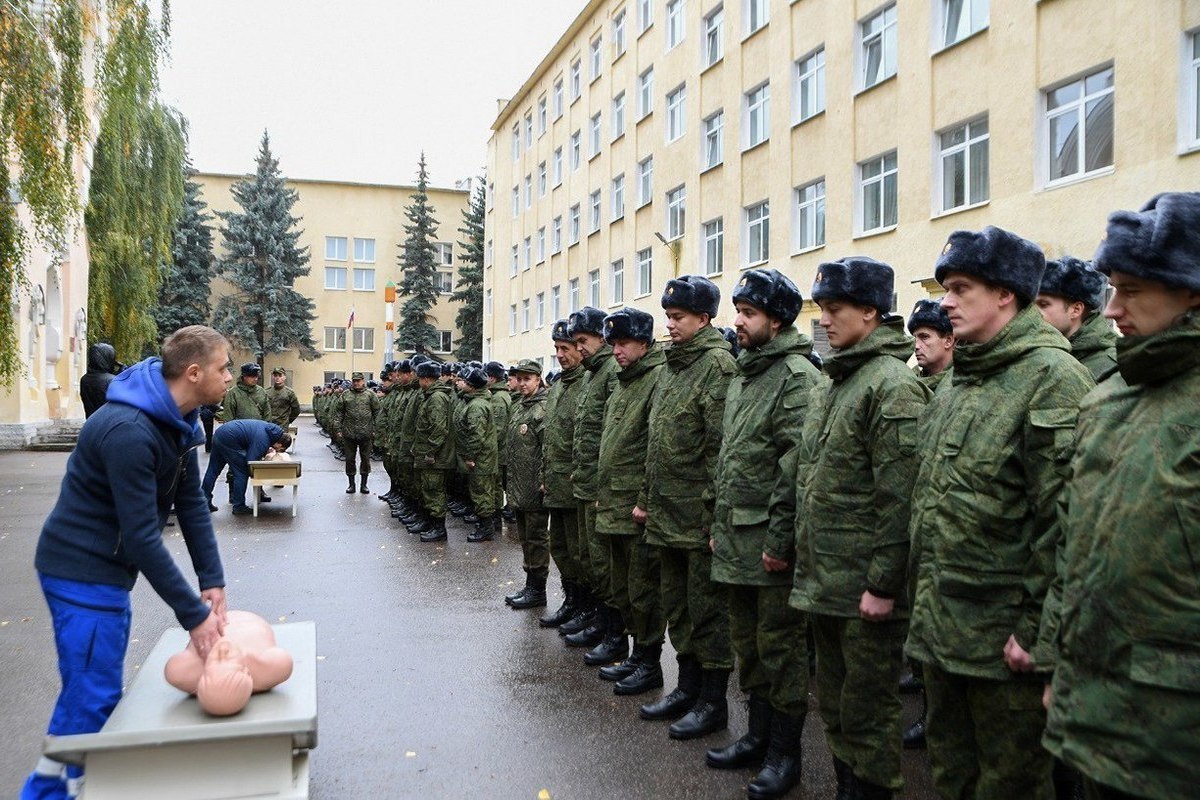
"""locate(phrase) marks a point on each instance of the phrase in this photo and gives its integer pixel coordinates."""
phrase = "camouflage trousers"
(535, 544)
(593, 558)
(984, 737)
(361, 448)
(636, 576)
(858, 692)
(695, 608)
(1098, 791)
(564, 539)
(433, 491)
(771, 644)
(482, 489)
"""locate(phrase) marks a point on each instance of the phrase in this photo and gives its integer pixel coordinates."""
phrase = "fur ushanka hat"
(858, 279)
(994, 256)
(1074, 280)
(692, 293)
(629, 323)
(930, 314)
(1160, 243)
(771, 291)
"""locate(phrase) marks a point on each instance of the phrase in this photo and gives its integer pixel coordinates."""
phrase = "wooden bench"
(159, 744)
(273, 473)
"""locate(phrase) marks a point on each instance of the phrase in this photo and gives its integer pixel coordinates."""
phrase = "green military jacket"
(354, 414)
(764, 414)
(284, 406)
(562, 401)
(385, 425)
(932, 381)
(500, 401)
(524, 442)
(621, 467)
(685, 440)
(1095, 346)
(408, 419)
(433, 442)
(589, 422)
(1126, 700)
(995, 453)
(244, 402)
(855, 469)
(475, 439)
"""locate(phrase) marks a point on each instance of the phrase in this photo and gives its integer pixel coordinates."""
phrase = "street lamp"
(673, 247)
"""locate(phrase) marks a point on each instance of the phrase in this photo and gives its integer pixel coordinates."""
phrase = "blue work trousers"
(239, 472)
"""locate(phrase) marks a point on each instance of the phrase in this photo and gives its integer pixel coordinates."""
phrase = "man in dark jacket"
(102, 368)
(236, 443)
(1071, 298)
(134, 459)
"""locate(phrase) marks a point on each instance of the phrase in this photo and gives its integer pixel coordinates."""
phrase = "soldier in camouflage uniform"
(855, 470)
(620, 479)
(282, 401)
(681, 460)
(995, 450)
(354, 427)
(246, 399)
(754, 538)
(500, 400)
(561, 401)
(524, 444)
(933, 342)
(411, 512)
(1071, 298)
(477, 450)
(385, 424)
(433, 451)
(586, 328)
(1125, 705)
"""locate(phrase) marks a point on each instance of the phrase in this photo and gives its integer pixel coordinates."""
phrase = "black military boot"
(508, 598)
(751, 749)
(781, 768)
(624, 668)
(483, 530)
(534, 597)
(497, 523)
(711, 712)
(436, 531)
(585, 613)
(681, 698)
(872, 791)
(615, 644)
(471, 518)
(911, 683)
(362, 486)
(565, 611)
(847, 784)
(594, 633)
(412, 519)
(647, 676)
(422, 524)
(350, 489)
(914, 737)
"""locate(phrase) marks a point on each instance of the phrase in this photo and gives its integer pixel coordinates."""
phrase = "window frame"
(645, 181)
(966, 148)
(573, 295)
(801, 226)
(557, 168)
(815, 74)
(558, 94)
(676, 212)
(595, 134)
(617, 123)
(576, 145)
(618, 32)
(706, 142)
(595, 58)
(594, 296)
(338, 332)
(676, 113)
(365, 259)
(334, 240)
(712, 243)
(645, 15)
(616, 282)
(761, 236)
(713, 38)
(645, 93)
(617, 197)
(556, 231)
(363, 273)
(344, 278)
(881, 179)
(1079, 106)
(574, 224)
(645, 272)
(760, 106)
(365, 347)
(576, 77)
(595, 205)
(750, 9)
(675, 25)
(862, 45)
(942, 20)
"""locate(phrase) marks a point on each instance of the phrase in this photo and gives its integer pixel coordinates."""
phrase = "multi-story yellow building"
(355, 234)
(664, 137)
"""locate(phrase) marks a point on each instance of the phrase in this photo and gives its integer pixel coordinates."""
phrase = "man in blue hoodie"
(136, 456)
(236, 443)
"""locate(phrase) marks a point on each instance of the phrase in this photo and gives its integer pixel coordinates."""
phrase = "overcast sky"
(353, 90)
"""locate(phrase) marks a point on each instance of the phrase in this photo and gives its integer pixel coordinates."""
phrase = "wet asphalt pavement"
(428, 685)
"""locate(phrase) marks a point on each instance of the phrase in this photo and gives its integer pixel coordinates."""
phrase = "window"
(574, 223)
(674, 22)
(758, 14)
(576, 80)
(364, 250)
(558, 98)
(445, 281)
(539, 310)
(541, 114)
(713, 48)
(364, 280)
(616, 283)
(335, 338)
(364, 340)
(528, 130)
(676, 202)
(576, 154)
(330, 377)
(556, 235)
(525, 314)
(596, 63)
(573, 296)
(618, 197)
(489, 253)
(512, 320)
(1079, 121)
(713, 138)
(528, 191)
(618, 33)
(541, 244)
(961, 18)
(810, 86)
(542, 179)
(528, 252)
(810, 215)
(516, 262)
(758, 115)
(444, 253)
(618, 116)
(1191, 131)
(964, 165)
(445, 342)
(645, 93)
(645, 272)
(335, 277)
(558, 166)
(556, 302)
(516, 142)
(594, 138)
(877, 51)
(491, 195)
(713, 253)
(487, 302)
(645, 15)
(594, 211)
(594, 288)
(758, 233)
(645, 180)
(335, 248)
(516, 201)
(675, 110)
(877, 188)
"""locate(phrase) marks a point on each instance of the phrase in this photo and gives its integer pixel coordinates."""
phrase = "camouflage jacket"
(589, 421)
(500, 401)
(386, 422)
(475, 438)
(1127, 682)
(284, 405)
(621, 466)
(245, 402)
(995, 453)
(562, 400)
(526, 424)
(934, 380)
(1095, 346)
(433, 441)
(409, 408)
(685, 439)
(764, 414)
(855, 469)
(354, 414)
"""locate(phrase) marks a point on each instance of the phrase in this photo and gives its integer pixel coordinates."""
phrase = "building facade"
(355, 235)
(666, 137)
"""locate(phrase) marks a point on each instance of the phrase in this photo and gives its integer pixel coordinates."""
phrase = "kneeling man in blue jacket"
(235, 444)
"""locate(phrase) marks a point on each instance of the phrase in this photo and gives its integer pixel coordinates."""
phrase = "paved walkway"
(429, 686)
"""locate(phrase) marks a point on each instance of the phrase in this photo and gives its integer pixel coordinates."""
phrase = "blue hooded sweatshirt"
(135, 457)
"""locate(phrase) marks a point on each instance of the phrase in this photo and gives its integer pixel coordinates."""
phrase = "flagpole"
(350, 336)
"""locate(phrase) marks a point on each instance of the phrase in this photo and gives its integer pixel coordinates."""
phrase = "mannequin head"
(225, 685)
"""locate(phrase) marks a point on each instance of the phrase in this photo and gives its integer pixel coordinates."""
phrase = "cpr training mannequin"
(244, 660)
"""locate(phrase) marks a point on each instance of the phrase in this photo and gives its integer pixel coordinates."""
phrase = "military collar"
(888, 339)
(653, 358)
(787, 342)
(597, 359)
(1024, 333)
(1160, 356)
(707, 338)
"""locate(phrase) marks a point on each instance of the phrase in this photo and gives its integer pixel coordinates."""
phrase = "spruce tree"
(265, 313)
(183, 293)
(418, 266)
(469, 287)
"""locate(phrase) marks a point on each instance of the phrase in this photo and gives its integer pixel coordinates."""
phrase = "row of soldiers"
(1018, 517)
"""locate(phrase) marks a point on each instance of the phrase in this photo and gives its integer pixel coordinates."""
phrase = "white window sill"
(618, 219)
(750, 35)
(643, 294)
(754, 146)
(874, 232)
(335, 288)
(1074, 179)
(938, 51)
(757, 264)
(363, 290)
(334, 350)
(707, 67)
(876, 85)
(809, 118)
(959, 209)
(1189, 148)
(716, 274)
(711, 167)
(676, 139)
(617, 138)
(805, 250)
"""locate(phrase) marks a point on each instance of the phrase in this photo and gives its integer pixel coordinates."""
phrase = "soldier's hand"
(1017, 657)
(429, 460)
(1047, 696)
(470, 464)
(772, 564)
(639, 516)
(875, 609)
